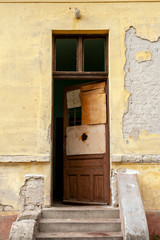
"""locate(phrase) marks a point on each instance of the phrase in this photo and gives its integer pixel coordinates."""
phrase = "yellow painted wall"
(12, 178)
(148, 180)
(25, 79)
(25, 75)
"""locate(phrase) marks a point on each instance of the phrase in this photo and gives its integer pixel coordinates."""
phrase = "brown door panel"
(86, 158)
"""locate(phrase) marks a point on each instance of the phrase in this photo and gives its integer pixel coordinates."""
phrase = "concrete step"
(80, 212)
(79, 225)
(80, 236)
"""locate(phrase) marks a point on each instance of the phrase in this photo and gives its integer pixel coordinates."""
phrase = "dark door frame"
(79, 74)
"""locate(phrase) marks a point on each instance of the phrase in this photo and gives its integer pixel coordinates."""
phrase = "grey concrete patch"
(148, 158)
(142, 81)
(32, 201)
(131, 207)
(32, 193)
(23, 230)
(114, 188)
(24, 158)
(34, 215)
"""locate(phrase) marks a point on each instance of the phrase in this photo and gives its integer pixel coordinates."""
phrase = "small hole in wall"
(84, 137)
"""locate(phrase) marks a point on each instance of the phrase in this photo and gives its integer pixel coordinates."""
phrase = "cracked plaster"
(32, 193)
(142, 81)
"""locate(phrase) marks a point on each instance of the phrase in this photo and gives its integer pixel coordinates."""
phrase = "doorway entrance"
(80, 77)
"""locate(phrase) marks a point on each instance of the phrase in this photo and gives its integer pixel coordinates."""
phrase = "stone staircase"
(80, 223)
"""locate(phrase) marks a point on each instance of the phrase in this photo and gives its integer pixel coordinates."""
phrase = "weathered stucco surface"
(148, 179)
(114, 191)
(136, 158)
(25, 229)
(12, 178)
(32, 193)
(142, 80)
(25, 74)
(32, 201)
(26, 82)
(134, 221)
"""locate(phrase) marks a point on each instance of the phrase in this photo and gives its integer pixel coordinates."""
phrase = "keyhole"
(84, 137)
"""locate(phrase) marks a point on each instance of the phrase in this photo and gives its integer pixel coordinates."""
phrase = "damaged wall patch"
(142, 80)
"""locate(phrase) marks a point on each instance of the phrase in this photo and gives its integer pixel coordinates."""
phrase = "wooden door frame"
(80, 74)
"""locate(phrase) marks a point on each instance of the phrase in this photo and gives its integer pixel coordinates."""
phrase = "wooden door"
(86, 150)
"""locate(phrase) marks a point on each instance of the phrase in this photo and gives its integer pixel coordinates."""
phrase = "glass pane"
(94, 59)
(66, 54)
(71, 117)
(78, 116)
(74, 115)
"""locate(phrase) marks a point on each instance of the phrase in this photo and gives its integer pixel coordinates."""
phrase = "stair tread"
(80, 223)
(79, 234)
(81, 220)
(79, 208)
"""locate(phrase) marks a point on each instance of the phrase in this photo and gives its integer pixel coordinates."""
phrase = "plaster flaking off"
(142, 80)
(32, 193)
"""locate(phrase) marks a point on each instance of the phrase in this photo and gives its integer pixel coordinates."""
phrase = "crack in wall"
(142, 80)
(4, 207)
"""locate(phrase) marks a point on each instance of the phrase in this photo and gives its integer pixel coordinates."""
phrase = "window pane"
(74, 115)
(66, 54)
(94, 59)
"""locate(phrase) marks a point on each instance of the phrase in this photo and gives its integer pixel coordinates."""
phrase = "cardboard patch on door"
(73, 99)
(86, 139)
(93, 101)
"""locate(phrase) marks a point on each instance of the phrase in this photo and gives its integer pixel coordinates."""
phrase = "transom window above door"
(80, 56)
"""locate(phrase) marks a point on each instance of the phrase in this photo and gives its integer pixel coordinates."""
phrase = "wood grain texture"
(86, 175)
(86, 183)
(93, 86)
(93, 101)
(93, 108)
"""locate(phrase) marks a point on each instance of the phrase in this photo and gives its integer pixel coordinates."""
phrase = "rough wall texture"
(142, 80)
(32, 200)
(114, 188)
(32, 193)
(131, 206)
(23, 230)
(140, 158)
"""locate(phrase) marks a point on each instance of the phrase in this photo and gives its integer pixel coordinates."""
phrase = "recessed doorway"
(79, 61)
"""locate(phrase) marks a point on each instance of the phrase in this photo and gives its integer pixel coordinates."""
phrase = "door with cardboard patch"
(86, 148)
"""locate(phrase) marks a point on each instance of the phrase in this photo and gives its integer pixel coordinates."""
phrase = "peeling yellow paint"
(143, 56)
(12, 177)
(25, 131)
(145, 133)
(126, 96)
(26, 83)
